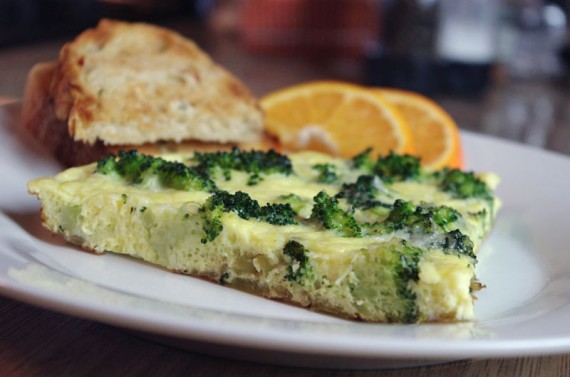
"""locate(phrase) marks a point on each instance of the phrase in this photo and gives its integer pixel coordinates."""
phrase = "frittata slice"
(373, 239)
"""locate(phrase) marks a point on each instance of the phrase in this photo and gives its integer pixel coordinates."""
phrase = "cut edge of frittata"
(386, 280)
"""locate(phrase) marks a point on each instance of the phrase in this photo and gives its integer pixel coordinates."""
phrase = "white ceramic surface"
(525, 264)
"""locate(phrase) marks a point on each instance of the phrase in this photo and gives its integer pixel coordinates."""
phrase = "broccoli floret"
(405, 214)
(396, 264)
(400, 216)
(395, 167)
(295, 201)
(221, 202)
(131, 165)
(178, 176)
(137, 168)
(390, 168)
(329, 215)
(408, 270)
(211, 221)
(463, 184)
(245, 207)
(106, 165)
(362, 193)
(364, 161)
(327, 173)
(299, 269)
(445, 216)
(278, 214)
(255, 163)
(409, 257)
(240, 203)
(455, 240)
(438, 222)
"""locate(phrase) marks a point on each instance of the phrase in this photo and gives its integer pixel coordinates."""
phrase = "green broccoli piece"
(463, 184)
(107, 165)
(211, 221)
(128, 164)
(362, 193)
(295, 201)
(327, 173)
(395, 167)
(222, 202)
(278, 214)
(396, 263)
(240, 203)
(445, 216)
(255, 163)
(137, 168)
(409, 256)
(178, 176)
(405, 214)
(131, 165)
(245, 207)
(457, 241)
(329, 215)
(408, 270)
(438, 222)
(363, 161)
(390, 168)
(299, 269)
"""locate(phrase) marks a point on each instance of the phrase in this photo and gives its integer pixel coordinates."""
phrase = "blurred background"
(500, 67)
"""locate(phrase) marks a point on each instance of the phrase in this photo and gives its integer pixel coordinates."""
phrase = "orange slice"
(335, 117)
(435, 134)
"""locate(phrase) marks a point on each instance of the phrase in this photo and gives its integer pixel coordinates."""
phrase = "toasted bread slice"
(38, 117)
(138, 85)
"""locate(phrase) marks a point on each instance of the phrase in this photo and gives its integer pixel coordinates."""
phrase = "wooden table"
(39, 342)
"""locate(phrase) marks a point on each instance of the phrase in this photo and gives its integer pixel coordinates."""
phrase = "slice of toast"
(38, 117)
(138, 85)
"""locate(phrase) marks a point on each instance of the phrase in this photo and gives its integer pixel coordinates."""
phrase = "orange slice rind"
(436, 135)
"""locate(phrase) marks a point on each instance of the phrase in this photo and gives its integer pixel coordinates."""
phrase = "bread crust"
(38, 117)
(132, 85)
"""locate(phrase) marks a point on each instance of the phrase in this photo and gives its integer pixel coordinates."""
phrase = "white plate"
(525, 264)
